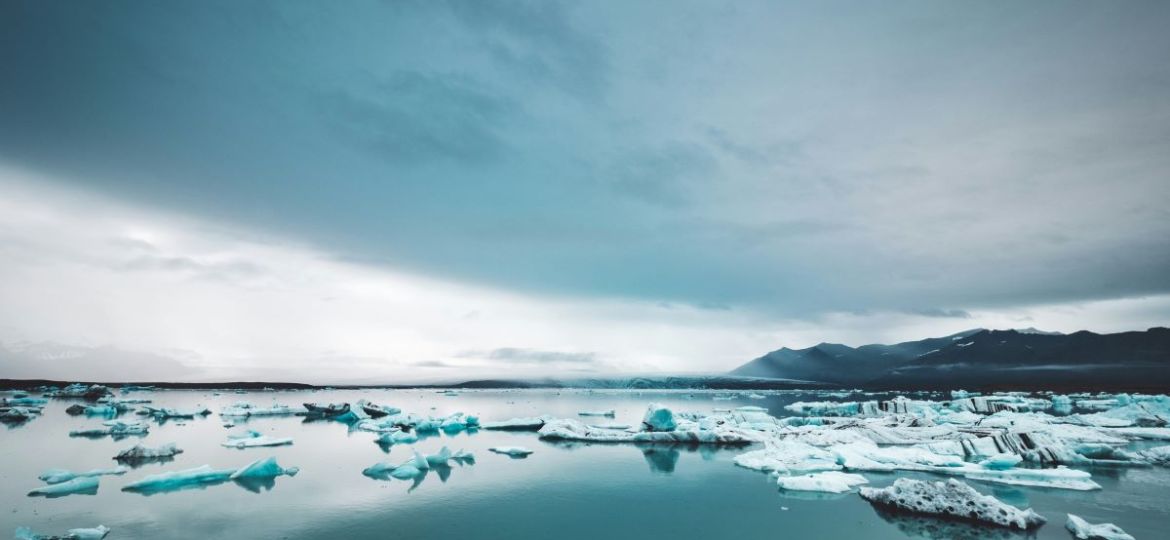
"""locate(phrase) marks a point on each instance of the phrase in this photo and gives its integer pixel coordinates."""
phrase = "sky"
(409, 191)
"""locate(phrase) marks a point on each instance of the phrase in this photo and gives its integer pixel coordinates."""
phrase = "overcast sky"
(402, 190)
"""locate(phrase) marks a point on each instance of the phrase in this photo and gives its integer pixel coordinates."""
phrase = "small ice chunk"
(951, 499)
(253, 439)
(610, 413)
(1087, 531)
(139, 452)
(57, 476)
(533, 423)
(828, 482)
(658, 418)
(94, 533)
(514, 451)
(84, 485)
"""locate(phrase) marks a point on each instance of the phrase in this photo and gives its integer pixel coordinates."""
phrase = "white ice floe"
(253, 439)
(1088, 531)
(92, 533)
(514, 451)
(57, 476)
(1059, 478)
(788, 457)
(245, 409)
(953, 499)
(828, 482)
(81, 485)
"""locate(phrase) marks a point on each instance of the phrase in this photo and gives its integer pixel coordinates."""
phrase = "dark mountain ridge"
(983, 358)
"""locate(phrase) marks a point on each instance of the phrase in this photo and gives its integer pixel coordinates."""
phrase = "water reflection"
(661, 460)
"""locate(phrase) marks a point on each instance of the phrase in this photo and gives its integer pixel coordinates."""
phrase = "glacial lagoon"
(563, 489)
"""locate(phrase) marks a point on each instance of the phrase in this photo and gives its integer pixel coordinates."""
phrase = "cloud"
(943, 313)
(418, 117)
(514, 355)
(688, 156)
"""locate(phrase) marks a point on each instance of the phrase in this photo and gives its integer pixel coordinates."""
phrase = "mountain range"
(982, 358)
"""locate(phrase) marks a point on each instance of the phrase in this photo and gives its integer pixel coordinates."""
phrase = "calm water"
(563, 491)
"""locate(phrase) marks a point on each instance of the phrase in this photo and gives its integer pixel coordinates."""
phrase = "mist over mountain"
(982, 358)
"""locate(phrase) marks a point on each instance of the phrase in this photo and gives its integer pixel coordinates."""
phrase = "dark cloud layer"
(926, 157)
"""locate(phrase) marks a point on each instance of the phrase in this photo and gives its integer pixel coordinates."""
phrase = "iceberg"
(828, 482)
(164, 413)
(658, 418)
(327, 409)
(115, 428)
(197, 477)
(1088, 531)
(532, 423)
(513, 451)
(253, 439)
(84, 485)
(686, 432)
(378, 411)
(417, 467)
(57, 476)
(265, 469)
(140, 453)
(397, 437)
(952, 499)
(1158, 456)
(245, 409)
(94, 533)
(18, 415)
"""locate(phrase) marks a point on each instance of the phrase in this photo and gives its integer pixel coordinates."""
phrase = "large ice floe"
(660, 424)
(951, 499)
(243, 409)
(89, 533)
(257, 474)
(82, 485)
(1087, 531)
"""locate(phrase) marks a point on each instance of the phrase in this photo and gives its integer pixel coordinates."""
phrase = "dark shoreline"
(671, 383)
